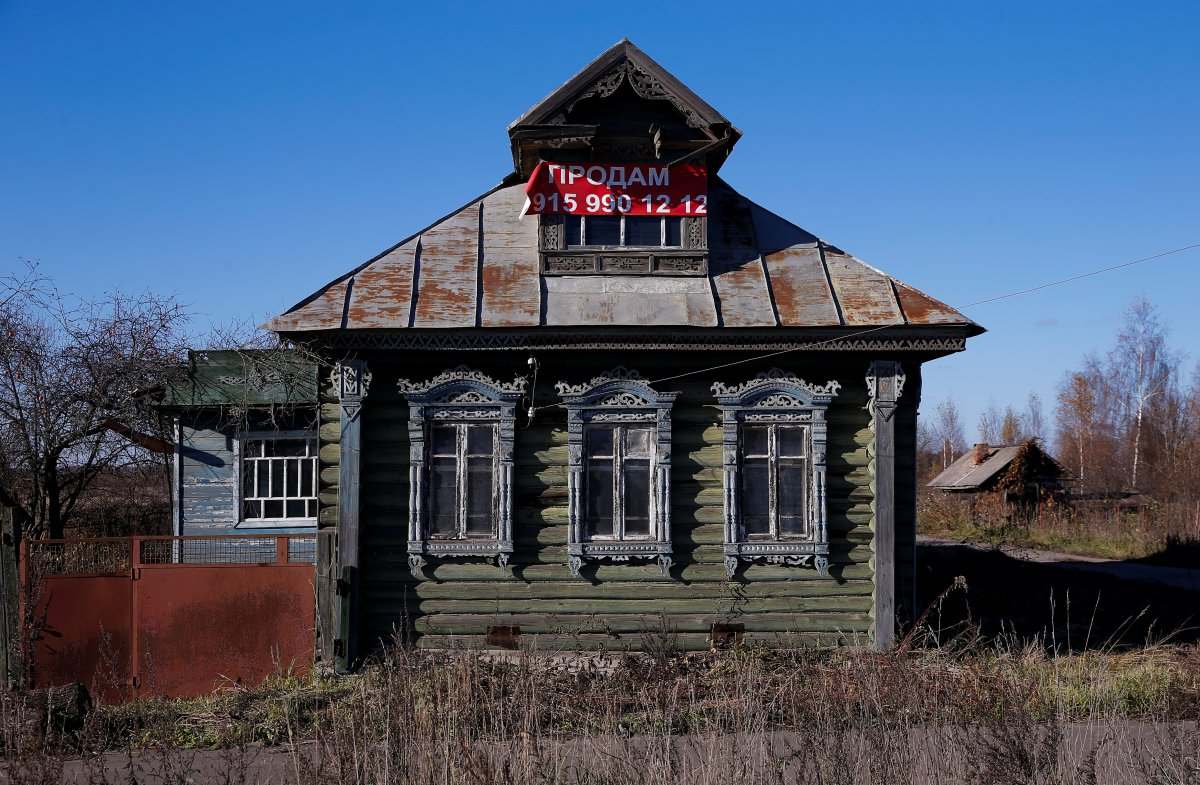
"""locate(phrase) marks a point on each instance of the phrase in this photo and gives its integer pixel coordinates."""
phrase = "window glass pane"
(792, 482)
(754, 441)
(574, 230)
(253, 449)
(291, 478)
(643, 230)
(603, 230)
(756, 497)
(251, 510)
(443, 440)
(288, 447)
(637, 442)
(273, 509)
(295, 509)
(262, 472)
(637, 498)
(442, 521)
(479, 496)
(790, 441)
(276, 478)
(600, 441)
(673, 232)
(307, 469)
(599, 505)
(479, 440)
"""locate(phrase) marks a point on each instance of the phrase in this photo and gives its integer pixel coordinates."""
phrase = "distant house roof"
(984, 463)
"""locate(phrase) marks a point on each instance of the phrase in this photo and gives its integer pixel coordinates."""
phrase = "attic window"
(623, 245)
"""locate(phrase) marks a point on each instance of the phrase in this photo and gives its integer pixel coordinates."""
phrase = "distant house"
(1023, 473)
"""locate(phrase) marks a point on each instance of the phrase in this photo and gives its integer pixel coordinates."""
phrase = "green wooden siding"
(619, 605)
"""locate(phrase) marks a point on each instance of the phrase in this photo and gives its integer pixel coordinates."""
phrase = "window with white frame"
(619, 470)
(278, 479)
(774, 470)
(623, 231)
(461, 431)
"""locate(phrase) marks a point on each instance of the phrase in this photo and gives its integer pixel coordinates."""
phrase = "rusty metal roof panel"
(738, 276)
(511, 286)
(382, 293)
(864, 294)
(479, 267)
(447, 272)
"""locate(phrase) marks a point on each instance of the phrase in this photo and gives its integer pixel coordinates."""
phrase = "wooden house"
(562, 421)
(1021, 474)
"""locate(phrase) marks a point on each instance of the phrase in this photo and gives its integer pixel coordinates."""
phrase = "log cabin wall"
(617, 606)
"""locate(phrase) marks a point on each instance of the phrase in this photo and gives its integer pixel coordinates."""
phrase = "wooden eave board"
(738, 276)
(624, 300)
(864, 294)
(448, 272)
(382, 293)
(511, 277)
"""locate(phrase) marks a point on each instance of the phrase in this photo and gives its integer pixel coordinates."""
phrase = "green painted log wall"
(619, 605)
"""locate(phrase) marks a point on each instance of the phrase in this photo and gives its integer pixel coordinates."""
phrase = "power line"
(806, 347)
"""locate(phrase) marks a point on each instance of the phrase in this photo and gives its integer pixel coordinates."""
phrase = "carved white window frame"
(776, 397)
(619, 397)
(461, 395)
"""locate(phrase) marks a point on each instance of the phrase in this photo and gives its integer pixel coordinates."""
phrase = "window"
(623, 231)
(623, 244)
(619, 447)
(774, 469)
(461, 431)
(278, 479)
(462, 491)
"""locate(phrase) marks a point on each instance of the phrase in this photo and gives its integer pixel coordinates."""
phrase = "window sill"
(277, 523)
(779, 552)
(457, 549)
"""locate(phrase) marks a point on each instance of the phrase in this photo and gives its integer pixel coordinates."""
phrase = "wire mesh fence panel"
(302, 550)
(79, 557)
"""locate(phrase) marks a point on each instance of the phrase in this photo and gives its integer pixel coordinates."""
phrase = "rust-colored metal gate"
(174, 616)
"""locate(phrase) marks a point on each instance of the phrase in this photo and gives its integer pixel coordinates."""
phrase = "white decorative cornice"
(460, 375)
(618, 374)
(775, 379)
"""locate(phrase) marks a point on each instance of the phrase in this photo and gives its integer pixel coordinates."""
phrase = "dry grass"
(971, 712)
(1164, 533)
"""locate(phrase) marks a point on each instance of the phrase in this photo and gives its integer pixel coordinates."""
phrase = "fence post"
(10, 599)
(281, 550)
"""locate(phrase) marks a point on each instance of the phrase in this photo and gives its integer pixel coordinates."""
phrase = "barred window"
(279, 479)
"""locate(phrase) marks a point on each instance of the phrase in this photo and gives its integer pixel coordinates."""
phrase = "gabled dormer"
(622, 107)
(623, 115)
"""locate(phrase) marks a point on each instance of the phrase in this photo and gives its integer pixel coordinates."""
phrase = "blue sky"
(241, 154)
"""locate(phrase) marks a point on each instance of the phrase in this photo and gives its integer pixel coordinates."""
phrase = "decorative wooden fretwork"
(690, 257)
(465, 397)
(771, 404)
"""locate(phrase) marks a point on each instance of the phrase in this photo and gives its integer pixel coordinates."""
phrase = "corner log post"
(885, 382)
(351, 379)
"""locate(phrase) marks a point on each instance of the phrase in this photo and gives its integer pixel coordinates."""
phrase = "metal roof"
(479, 268)
(966, 474)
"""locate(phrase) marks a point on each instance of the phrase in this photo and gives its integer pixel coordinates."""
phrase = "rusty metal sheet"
(85, 633)
(448, 272)
(511, 287)
(204, 626)
(864, 294)
(799, 281)
(323, 311)
(737, 271)
(382, 293)
(628, 300)
(920, 308)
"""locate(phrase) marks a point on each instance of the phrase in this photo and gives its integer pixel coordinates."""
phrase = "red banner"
(608, 189)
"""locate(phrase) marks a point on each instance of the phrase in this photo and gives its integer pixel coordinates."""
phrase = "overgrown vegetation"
(965, 712)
